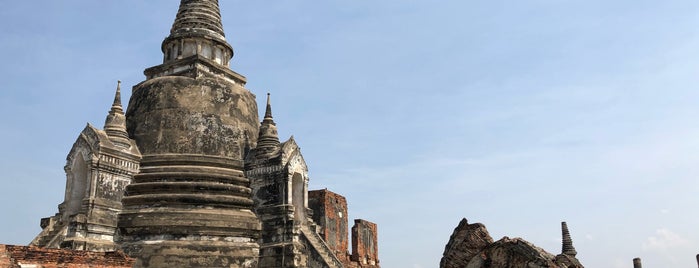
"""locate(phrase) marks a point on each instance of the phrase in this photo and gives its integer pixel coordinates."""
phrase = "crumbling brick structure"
(330, 213)
(365, 249)
(30, 256)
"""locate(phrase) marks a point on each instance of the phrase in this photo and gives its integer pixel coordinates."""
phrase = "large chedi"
(190, 204)
(190, 177)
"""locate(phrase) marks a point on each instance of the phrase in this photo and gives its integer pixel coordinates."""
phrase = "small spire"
(117, 98)
(115, 124)
(637, 263)
(268, 111)
(568, 248)
(268, 138)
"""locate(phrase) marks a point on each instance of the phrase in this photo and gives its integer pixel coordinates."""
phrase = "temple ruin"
(470, 246)
(188, 176)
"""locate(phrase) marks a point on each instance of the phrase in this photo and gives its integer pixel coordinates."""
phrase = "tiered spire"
(268, 111)
(198, 30)
(268, 138)
(115, 124)
(568, 248)
(200, 17)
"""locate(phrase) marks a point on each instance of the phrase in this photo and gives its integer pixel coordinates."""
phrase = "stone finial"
(637, 263)
(115, 124)
(568, 248)
(268, 110)
(117, 98)
(268, 138)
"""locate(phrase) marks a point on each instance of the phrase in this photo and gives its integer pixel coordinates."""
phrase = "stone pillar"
(637, 263)
(567, 248)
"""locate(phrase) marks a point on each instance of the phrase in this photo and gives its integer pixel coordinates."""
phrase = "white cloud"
(619, 263)
(664, 239)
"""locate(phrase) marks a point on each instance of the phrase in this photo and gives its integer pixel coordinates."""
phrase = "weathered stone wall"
(311, 256)
(467, 241)
(183, 115)
(191, 204)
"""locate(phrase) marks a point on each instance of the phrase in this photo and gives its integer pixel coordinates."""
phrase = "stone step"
(323, 250)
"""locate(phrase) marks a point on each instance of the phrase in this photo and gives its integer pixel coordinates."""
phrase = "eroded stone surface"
(470, 246)
(513, 253)
(183, 115)
(466, 242)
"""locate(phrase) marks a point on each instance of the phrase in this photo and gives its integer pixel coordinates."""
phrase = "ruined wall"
(471, 246)
(27, 256)
(330, 213)
(365, 250)
(467, 241)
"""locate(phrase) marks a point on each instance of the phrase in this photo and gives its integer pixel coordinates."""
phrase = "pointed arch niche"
(77, 174)
(299, 196)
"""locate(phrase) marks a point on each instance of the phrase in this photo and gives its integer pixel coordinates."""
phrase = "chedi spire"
(200, 16)
(197, 30)
(115, 124)
(568, 248)
(268, 110)
(269, 137)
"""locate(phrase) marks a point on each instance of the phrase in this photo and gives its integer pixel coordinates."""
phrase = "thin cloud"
(663, 240)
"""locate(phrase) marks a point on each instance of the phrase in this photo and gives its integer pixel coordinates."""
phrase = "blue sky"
(516, 114)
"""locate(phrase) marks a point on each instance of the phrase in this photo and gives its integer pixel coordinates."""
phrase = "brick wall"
(5, 260)
(330, 213)
(365, 250)
(12, 256)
